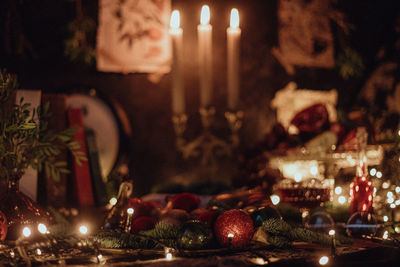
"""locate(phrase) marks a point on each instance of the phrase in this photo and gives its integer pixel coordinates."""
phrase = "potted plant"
(26, 143)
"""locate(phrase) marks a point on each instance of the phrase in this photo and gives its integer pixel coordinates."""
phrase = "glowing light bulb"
(342, 199)
(42, 228)
(298, 177)
(38, 252)
(275, 199)
(390, 200)
(174, 23)
(230, 235)
(83, 229)
(259, 261)
(385, 218)
(397, 189)
(130, 211)
(338, 190)
(234, 23)
(372, 172)
(168, 256)
(26, 232)
(379, 175)
(398, 132)
(314, 170)
(113, 201)
(385, 185)
(323, 260)
(392, 206)
(205, 15)
(385, 235)
(332, 232)
(397, 229)
(99, 256)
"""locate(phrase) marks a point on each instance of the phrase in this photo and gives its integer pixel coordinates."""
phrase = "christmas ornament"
(185, 201)
(361, 224)
(175, 217)
(208, 217)
(311, 121)
(21, 210)
(140, 208)
(263, 214)
(234, 228)
(3, 226)
(195, 213)
(142, 223)
(320, 221)
(195, 235)
(116, 218)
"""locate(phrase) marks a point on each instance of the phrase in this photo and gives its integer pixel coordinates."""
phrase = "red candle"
(361, 191)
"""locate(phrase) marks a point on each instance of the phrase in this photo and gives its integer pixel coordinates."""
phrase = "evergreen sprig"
(24, 142)
(279, 228)
(162, 235)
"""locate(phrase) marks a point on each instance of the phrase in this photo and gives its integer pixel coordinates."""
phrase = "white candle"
(178, 94)
(204, 33)
(233, 73)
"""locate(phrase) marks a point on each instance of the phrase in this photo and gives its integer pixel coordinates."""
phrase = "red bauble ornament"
(142, 223)
(185, 201)
(139, 207)
(3, 226)
(237, 224)
(208, 217)
(312, 120)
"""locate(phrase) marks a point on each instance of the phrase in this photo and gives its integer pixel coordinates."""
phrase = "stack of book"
(84, 185)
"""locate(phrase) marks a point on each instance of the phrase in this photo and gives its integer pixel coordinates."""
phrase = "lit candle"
(178, 95)
(204, 34)
(233, 73)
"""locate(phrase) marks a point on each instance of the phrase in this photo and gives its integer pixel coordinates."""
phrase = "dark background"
(33, 32)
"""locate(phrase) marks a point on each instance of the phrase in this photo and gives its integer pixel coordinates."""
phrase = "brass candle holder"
(207, 146)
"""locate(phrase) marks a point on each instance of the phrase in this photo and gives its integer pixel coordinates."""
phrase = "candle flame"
(205, 15)
(234, 18)
(175, 20)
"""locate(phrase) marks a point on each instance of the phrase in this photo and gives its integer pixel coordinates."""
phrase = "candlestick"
(233, 60)
(204, 33)
(178, 94)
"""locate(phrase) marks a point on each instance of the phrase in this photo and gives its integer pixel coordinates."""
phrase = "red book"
(81, 172)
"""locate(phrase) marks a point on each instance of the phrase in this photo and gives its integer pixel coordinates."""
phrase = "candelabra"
(207, 146)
